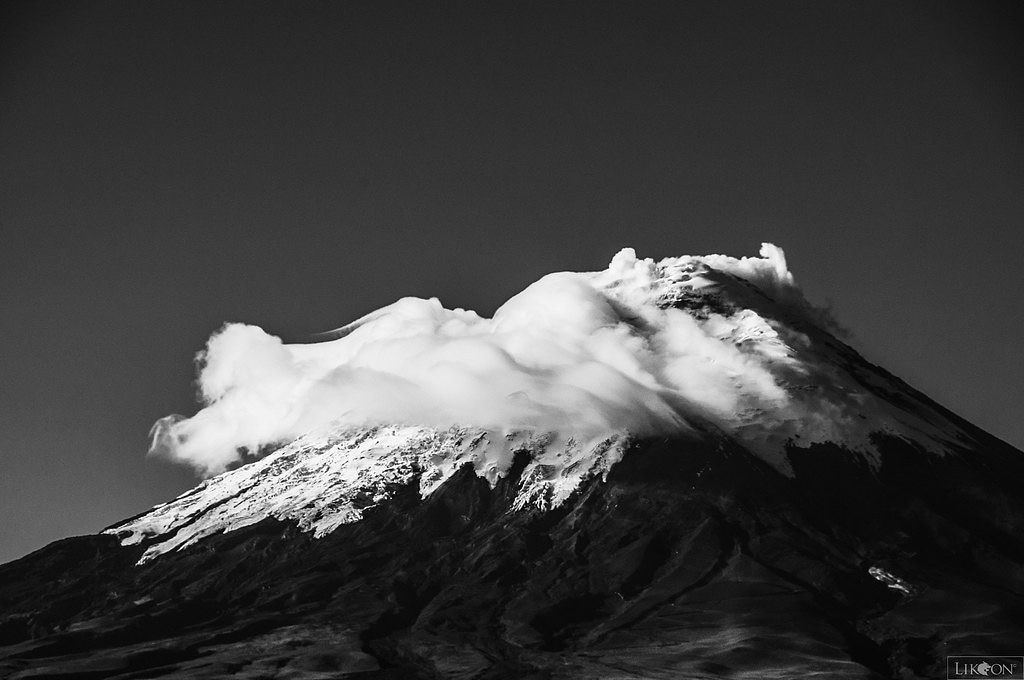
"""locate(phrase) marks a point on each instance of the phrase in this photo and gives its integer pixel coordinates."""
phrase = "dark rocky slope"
(693, 560)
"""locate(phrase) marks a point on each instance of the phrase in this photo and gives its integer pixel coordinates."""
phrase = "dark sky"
(166, 167)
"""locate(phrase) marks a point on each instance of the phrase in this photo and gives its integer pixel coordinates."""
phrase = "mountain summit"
(668, 469)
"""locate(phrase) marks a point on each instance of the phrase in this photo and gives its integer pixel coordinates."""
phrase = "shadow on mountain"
(694, 559)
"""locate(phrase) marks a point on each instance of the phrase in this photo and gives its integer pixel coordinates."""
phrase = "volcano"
(671, 469)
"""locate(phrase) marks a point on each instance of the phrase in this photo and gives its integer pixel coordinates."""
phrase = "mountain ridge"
(707, 532)
(749, 499)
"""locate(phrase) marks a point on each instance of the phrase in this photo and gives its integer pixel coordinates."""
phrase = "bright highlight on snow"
(642, 347)
(568, 373)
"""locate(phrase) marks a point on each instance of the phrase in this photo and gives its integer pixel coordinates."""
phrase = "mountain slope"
(711, 564)
(798, 512)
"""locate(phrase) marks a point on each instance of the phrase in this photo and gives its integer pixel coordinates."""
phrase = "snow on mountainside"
(325, 479)
(567, 372)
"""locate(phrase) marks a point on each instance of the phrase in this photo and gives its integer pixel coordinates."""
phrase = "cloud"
(642, 347)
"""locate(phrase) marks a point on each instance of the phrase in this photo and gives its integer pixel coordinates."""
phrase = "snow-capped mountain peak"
(566, 372)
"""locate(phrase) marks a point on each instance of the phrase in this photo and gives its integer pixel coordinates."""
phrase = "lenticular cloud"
(642, 347)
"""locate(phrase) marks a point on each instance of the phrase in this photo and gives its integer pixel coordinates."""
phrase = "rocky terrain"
(705, 565)
(736, 493)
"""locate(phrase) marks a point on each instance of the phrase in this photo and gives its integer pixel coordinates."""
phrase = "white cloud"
(581, 354)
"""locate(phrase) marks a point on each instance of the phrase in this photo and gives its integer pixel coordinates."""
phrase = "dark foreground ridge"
(693, 560)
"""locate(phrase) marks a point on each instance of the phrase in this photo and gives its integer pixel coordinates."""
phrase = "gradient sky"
(166, 167)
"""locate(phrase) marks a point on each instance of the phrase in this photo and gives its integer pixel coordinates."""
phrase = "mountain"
(668, 469)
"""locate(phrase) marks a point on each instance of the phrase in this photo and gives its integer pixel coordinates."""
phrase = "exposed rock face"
(708, 564)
